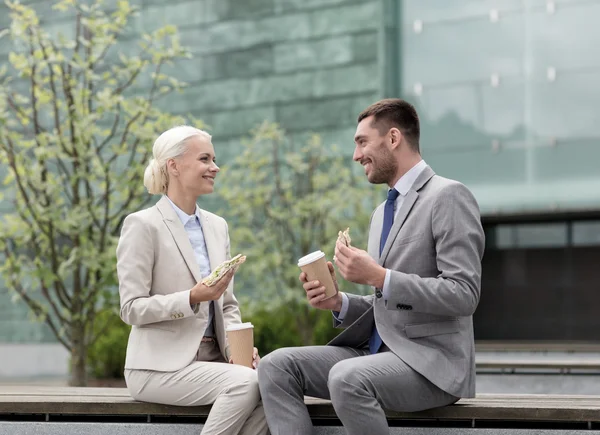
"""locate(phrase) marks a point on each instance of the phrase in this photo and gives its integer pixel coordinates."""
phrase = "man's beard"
(386, 168)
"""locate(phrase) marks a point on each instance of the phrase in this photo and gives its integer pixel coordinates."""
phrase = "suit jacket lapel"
(409, 201)
(182, 241)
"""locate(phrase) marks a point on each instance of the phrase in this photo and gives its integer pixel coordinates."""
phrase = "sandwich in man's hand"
(222, 269)
(344, 237)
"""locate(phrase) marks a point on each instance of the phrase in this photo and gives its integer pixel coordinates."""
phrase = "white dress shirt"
(403, 185)
(191, 225)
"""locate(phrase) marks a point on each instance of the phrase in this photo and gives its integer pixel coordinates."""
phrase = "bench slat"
(116, 401)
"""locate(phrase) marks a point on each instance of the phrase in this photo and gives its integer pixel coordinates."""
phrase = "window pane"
(586, 233)
(541, 235)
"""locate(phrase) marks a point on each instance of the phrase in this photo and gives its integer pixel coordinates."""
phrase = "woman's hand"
(204, 293)
(255, 358)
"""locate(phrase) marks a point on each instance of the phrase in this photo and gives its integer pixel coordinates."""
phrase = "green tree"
(77, 121)
(285, 200)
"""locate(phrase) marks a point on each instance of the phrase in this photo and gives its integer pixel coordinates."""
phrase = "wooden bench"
(105, 404)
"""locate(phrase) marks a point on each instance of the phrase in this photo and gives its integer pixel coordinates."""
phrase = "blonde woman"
(177, 352)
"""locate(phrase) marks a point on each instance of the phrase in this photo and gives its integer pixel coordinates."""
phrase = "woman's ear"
(172, 167)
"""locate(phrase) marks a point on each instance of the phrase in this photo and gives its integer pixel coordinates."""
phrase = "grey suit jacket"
(434, 251)
(157, 268)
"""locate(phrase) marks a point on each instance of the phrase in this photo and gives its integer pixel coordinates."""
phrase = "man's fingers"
(344, 250)
(310, 294)
(315, 300)
(310, 285)
(302, 277)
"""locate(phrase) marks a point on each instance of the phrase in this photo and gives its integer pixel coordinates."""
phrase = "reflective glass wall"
(508, 93)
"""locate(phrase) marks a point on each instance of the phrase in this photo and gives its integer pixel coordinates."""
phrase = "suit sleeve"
(357, 306)
(459, 243)
(231, 307)
(135, 260)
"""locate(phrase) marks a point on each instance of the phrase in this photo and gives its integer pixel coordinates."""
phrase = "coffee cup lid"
(239, 326)
(313, 256)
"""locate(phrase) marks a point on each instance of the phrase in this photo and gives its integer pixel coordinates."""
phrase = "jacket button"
(378, 293)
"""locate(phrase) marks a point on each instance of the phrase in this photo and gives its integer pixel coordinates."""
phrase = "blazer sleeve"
(231, 308)
(357, 306)
(135, 260)
(459, 242)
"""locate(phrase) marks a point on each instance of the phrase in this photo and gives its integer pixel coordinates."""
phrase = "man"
(409, 345)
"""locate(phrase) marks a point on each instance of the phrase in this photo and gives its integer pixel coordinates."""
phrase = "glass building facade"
(506, 90)
(508, 94)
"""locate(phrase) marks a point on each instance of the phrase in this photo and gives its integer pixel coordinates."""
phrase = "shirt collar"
(183, 216)
(405, 182)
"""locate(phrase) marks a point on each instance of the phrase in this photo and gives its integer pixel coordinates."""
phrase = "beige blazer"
(434, 251)
(157, 268)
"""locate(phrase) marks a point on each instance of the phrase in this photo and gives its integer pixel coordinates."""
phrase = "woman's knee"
(245, 384)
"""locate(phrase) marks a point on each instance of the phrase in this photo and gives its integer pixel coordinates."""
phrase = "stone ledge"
(116, 401)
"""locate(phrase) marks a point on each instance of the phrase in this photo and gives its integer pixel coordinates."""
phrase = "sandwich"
(222, 269)
(344, 237)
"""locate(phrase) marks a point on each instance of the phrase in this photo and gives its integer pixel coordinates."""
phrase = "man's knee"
(279, 359)
(343, 380)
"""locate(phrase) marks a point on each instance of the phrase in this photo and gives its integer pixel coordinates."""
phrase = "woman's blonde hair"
(169, 145)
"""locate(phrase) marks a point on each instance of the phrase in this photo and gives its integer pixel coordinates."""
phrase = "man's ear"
(395, 138)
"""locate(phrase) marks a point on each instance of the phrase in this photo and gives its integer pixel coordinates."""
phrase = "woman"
(177, 351)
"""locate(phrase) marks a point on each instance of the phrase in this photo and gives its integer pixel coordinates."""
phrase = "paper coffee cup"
(315, 267)
(241, 343)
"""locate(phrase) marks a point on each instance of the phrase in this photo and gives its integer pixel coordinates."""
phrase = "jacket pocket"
(157, 326)
(409, 239)
(416, 330)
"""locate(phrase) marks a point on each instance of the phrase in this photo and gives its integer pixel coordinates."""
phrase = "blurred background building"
(507, 93)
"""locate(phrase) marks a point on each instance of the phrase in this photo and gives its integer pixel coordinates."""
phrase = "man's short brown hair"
(394, 112)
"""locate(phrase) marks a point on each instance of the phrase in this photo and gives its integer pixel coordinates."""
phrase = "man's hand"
(358, 266)
(202, 293)
(315, 292)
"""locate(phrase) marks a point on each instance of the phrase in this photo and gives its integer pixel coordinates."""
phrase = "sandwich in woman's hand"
(222, 269)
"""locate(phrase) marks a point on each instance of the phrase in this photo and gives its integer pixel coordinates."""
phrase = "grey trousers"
(231, 389)
(360, 386)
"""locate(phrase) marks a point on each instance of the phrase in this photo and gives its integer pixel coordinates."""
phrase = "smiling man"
(407, 346)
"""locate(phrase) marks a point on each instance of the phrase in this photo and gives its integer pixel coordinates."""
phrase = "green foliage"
(285, 200)
(106, 357)
(274, 327)
(77, 121)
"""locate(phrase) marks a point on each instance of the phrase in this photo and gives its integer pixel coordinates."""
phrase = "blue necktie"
(388, 220)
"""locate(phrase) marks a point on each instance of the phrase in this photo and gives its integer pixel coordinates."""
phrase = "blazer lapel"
(409, 201)
(182, 241)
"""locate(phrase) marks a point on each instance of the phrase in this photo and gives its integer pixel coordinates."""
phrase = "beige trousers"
(231, 389)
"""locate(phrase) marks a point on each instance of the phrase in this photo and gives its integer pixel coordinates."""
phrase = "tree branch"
(35, 306)
(55, 99)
